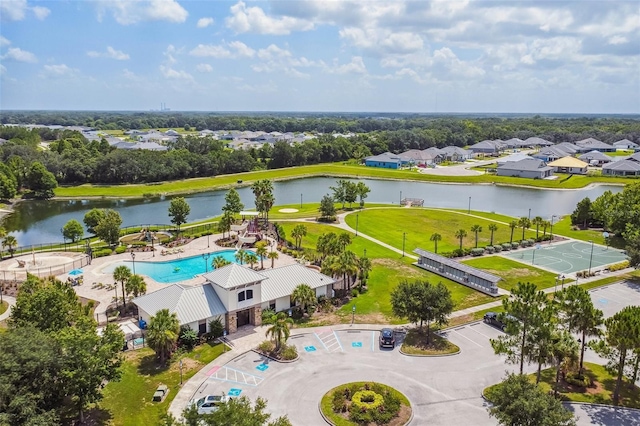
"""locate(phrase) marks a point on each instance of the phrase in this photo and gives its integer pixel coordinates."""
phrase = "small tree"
(136, 286)
(261, 251)
(364, 266)
(435, 237)
(273, 255)
(108, 229)
(303, 295)
(512, 225)
(10, 242)
(72, 230)
(241, 256)
(460, 234)
(224, 225)
(92, 218)
(179, 209)
(216, 327)
(327, 208)
(363, 191)
(298, 232)
(493, 228)
(279, 330)
(41, 181)
(122, 273)
(232, 203)
(219, 261)
(162, 333)
(582, 214)
(524, 222)
(476, 229)
(251, 259)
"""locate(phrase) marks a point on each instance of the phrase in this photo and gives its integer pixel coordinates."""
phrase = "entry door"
(243, 318)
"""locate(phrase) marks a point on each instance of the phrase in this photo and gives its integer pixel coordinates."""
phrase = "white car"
(209, 403)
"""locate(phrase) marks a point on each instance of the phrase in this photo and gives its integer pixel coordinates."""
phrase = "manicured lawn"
(491, 216)
(389, 225)
(620, 153)
(3, 307)
(599, 392)
(128, 401)
(465, 319)
(332, 169)
(563, 227)
(415, 343)
(633, 276)
(513, 272)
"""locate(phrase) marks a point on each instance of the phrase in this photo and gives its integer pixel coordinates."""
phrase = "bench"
(160, 393)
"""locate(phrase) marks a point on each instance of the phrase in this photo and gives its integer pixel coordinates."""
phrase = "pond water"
(36, 222)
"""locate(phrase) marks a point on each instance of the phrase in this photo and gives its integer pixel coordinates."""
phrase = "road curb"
(283, 361)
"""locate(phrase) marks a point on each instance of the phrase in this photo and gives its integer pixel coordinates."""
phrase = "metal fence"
(19, 275)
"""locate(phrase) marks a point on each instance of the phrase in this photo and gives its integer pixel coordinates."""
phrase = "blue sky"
(321, 55)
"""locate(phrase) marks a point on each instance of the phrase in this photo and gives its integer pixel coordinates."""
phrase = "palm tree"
(545, 225)
(261, 250)
(476, 229)
(460, 234)
(162, 333)
(513, 225)
(251, 259)
(564, 351)
(435, 237)
(273, 255)
(136, 286)
(347, 265)
(493, 228)
(524, 222)
(10, 242)
(344, 239)
(3, 233)
(122, 273)
(330, 266)
(241, 256)
(298, 232)
(219, 261)
(303, 295)
(364, 265)
(280, 329)
(537, 221)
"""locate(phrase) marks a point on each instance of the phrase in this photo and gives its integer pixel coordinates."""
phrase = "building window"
(272, 305)
(241, 296)
(249, 294)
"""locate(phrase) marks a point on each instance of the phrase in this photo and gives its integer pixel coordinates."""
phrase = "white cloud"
(356, 66)
(617, 39)
(242, 49)
(111, 53)
(17, 54)
(60, 70)
(204, 68)
(382, 40)
(245, 19)
(204, 22)
(170, 73)
(127, 12)
(4, 41)
(234, 49)
(16, 10)
(40, 12)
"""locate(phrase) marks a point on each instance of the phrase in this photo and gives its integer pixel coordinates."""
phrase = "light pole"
(400, 198)
(133, 260)
(552, 228)
(529, 214)
(208, 234)
(606, 238)
(205, 256)
(180, 372)
(153, 250)
(537, 247)
(300, 200)
(590, 256)
(353, 314)
(115, 288)
(469, 209)
(356, 224)
(562, 278)
(224, 338)
(404, 237)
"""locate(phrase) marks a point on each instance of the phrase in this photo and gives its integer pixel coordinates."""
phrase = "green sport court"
(569, 257)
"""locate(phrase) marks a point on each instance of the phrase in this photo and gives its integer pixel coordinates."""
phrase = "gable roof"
(551, 151)
(534, 140)
(625, 142)
(568, 147)
(568, 162)
(528, 164)
(486, 144)
(282, 281)
(385, 157)
(592, 143)
(595, 155)
(517, 156)
(451, 150)
(190, 303)
(233, 275)
(623, 165)
(457, 265)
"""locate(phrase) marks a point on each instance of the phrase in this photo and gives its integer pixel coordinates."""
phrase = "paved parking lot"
(442, 390)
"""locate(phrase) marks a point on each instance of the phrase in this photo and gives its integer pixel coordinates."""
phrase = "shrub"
(289, 352)
(457, 253)
(575, 380)
(507, 246)
(102, 252)
(216, 328)
(267, 346)
(446, 254)
(497, 248)
(531, 241)
(477, 252)
(490, 249)
(339, 402)
(619, 266)
(311, 310)
(367, 399)
(515, 245)
(354, 292)
(121, 249)
(188, 337)
(138, 243)
(267, 316)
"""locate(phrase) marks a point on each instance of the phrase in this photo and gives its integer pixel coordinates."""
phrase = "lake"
(36, 222)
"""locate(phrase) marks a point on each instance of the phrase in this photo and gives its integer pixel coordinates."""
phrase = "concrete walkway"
(12, 302)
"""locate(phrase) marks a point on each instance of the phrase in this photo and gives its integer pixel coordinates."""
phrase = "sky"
(321, 55)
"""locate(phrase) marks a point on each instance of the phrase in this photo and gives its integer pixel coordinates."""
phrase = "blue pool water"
(174, 270)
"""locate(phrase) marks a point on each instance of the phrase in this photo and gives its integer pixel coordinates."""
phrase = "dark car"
(492, 319)
(387, 339)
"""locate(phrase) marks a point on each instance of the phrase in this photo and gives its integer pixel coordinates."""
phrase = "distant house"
(419, 158)
(528, 168)
(591, 144)
(514, 143)
(625, 144)
(595, 158)
(486, 147)
(569, 148)
(622, 168)
(569, 165)
(536, 141)
(385, 160)
(550, 153)
(513, 157)
(455, 153)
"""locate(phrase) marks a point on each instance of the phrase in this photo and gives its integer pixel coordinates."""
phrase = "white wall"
(283, 303)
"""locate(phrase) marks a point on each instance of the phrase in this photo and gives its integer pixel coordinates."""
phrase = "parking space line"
(232, 375)
(482, 334)
(318, 337)
(373, 338)
(472, 341)
(338, 340)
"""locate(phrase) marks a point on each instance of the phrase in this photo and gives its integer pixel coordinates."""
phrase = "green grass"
(563, 227)
(600, 392)
(3, 307)
(633, 276)
(389, 225)
(465, 319)
(331, 169)
(491, 216)
(621, 153)
(128, 401)
(415, 344)
(513, 272)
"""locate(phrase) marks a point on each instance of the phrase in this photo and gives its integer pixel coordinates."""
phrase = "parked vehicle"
(387, 338)
(210, 403)
(494, 319)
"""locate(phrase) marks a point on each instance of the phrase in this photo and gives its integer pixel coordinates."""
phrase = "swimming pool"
(174, 270)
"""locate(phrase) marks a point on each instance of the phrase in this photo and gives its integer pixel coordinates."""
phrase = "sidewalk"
(12, 302)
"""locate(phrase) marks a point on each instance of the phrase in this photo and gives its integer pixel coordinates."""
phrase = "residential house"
(595, 158)
(570, 165)
(536, 141)
(455, 153)
(486, 147)
(550, 153)
(385, 160)
(517, 156)
(622, 168)
(420, 158)
(569, 148)
(591, 144)
(528, 168)
(514, 143)
(625, 144)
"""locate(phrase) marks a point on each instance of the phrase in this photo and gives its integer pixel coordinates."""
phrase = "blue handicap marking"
(310, 348)
(262, 367)
(356, 344)
(234, 392)
(603, 301)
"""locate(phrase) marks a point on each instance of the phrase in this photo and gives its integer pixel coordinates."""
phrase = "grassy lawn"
(415, 343)
(331, 169)
(3, 307)
(128, 401)
(465, 319)
(489, 215)
(633, 276)
(563, 227)
(621, 153)
(420, 224)
(512, 272)
(599, 392)
(389, 269)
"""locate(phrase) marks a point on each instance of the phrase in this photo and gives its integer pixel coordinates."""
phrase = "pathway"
(12, 302)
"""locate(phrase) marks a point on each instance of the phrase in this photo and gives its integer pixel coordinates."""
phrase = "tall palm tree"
(10, 242)
(273, 255)
(251, 259)
(435, 237)
(493, 228)
(460, 234)
(136, 286)
(344, 239)
(524, 222)
(279, 330)
(512, 225)
(3, 233)
(330, 266)
(347, 265)
(219, 261)
(162, 333)
(122, 273)
(476, 229)
(298, 232)
(303, 295)
(364, 266)
(537, 221)
(241, 256)
(545, 225)
(261, 251)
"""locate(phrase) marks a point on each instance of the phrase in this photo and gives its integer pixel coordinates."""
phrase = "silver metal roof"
(233, 275)
(457, 265)
(623, 165)
(282, 281)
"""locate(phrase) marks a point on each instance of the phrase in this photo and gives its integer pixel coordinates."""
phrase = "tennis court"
(566, 258)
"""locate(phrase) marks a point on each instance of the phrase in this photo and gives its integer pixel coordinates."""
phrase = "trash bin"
(142, 324)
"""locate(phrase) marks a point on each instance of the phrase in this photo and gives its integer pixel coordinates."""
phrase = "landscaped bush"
(457, 253)
(102, 253)
(507, 246)
(525, 243)
(367, 403)
(619, 266)
(575, 380)
(515, 245)
(497, 248)
(490, 249)
(267, 346)
(531, 242)
(121, 249)
(477, 252)
(138, 243)
(188, 337)
(354, 292)
(289, 352)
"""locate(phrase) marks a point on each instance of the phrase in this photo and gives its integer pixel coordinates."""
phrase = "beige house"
(570, 165)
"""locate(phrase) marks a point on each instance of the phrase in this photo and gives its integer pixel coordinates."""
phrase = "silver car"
(210, 403)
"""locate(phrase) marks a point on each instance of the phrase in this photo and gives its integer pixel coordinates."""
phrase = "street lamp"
(404, 237)
(115, 288)
(153, 250)
(400, 197)
(356, 224)
(180, 372)
(529, 214)
(300, 200)
(537, 247)
(562, 278)
(606, 238)
(590, 256)
(133, 260)
(205, 256)
(469, 209)
(552, 228)
(224, 338)
(208, 234)
(353, 314)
